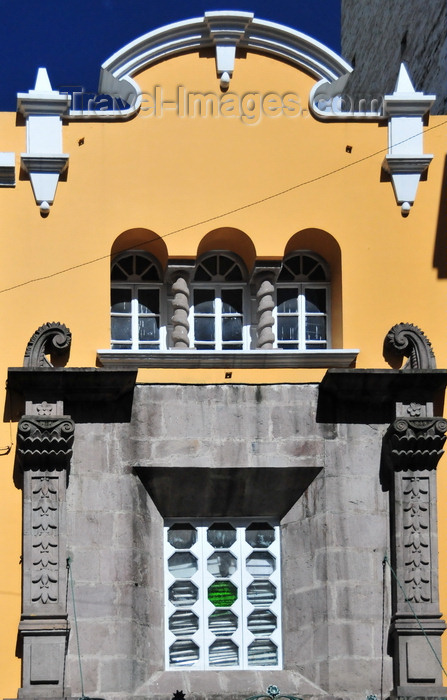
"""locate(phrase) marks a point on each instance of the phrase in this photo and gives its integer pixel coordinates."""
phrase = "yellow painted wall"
(182, 177)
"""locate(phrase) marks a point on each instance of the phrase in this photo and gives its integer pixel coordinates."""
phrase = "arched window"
(137, 321)
(302, 303)
(218, 310)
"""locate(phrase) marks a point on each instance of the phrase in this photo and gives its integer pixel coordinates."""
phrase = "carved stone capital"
(416, 443)
(45, 443)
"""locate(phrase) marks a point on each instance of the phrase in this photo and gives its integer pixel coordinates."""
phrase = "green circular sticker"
(222, 594)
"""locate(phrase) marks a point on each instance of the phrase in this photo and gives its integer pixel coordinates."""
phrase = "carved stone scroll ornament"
(407, 340)
(49, 339)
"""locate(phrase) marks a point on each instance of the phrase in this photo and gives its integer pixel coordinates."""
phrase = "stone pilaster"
(414, 446)
(44, 447)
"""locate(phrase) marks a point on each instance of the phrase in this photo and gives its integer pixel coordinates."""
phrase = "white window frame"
(134, 284)
(218, 287)
(242, 608)
(301, 285)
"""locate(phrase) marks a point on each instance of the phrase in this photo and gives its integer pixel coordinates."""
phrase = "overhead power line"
(254, 203)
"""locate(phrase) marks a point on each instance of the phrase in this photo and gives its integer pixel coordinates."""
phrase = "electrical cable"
(226, 213)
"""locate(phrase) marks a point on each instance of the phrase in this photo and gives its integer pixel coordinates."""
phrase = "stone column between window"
(413, 447)
(180, 304)
(44, 448)
(265, 303)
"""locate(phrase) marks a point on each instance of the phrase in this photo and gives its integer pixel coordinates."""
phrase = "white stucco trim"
(215, 29)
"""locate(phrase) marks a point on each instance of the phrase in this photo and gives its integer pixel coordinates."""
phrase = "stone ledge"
(229, 359)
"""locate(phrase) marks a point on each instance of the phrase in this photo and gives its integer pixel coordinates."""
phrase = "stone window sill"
(237, 359)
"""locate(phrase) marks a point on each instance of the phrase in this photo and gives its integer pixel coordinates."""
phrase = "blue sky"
(71, 38)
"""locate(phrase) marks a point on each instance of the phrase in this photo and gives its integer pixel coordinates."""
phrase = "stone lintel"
(373, 393)
(83, 390)
(226, 491)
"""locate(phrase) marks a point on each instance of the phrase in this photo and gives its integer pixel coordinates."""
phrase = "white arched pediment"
(225, 31)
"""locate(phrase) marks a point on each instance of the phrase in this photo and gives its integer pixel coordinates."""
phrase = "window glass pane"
(121, 328)
(260, 535)
(118, 274)
(287, 328)
(225, 263)
(287, 299)
(295, 264)
(315, 271)
(184, 623)
(184, 652)
(182, 536)
(210, 264)
(222, 594)
(231, 328)
(121, 346)
(221, 535)
(148, 301)
(222, 623)
(261, 564)
(223, 653)
(127, 264)
(183, 594)
(316, 328)
(148, 328)
(202, 275)
(261, 623)
(315, 300)
(121, 300)
(231, 301)
(204, 301)
(182, 565)
(222, 564)
(309, 265)
(262, 652)
(261, 594)
(234, 275)
(204, 329)
(285, 275)
(145, 268)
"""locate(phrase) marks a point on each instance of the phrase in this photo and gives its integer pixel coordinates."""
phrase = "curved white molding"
(224, 31)
(235, 359)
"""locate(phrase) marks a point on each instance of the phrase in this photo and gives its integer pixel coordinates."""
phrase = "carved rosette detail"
(180, 304)
(416, 525)
(417, 443)
(45, 533)
(408, 340)
(266, 304)
(45, 443)
(49, 339)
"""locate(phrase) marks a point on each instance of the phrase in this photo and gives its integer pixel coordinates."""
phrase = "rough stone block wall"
(333, 540)
(379, 34)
